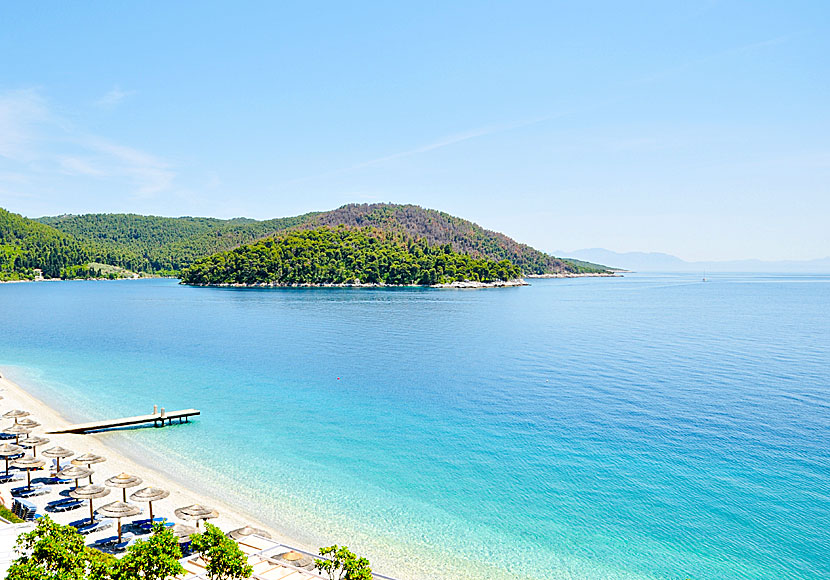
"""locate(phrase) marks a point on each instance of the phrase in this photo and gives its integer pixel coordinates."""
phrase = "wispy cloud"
(113, 97)
(440, 143)
(20, 113)
(38, 144)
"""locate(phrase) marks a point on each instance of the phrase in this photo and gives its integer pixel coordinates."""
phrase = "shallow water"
(636, 427)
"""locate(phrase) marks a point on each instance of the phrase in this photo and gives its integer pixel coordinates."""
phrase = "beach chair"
(147, 525)
(125, 543)
(10, 477)
(85, 528)
(34, 490)
(64, 505)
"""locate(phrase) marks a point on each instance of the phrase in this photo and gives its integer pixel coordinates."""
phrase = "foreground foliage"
(225, 560)
(55, 552)
(341, 564)
(345, 256)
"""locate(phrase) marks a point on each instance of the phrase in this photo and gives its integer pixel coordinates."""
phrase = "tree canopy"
(345, 256)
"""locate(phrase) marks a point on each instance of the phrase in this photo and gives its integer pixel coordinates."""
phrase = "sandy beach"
(15, 397)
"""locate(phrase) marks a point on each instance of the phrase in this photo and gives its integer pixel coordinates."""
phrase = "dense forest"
(437, 227)
(345, 255)
(26, 245)
(63, 246)
(160, 245)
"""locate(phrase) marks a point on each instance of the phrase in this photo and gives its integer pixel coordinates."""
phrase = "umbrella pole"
(29, 479)
(7, 466)
(91, 515)
(90, 475)
(119, 530)
(124, 489)
(151, 514)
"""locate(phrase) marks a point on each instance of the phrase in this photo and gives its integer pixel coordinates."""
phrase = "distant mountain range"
(659, 262)
(63, 246)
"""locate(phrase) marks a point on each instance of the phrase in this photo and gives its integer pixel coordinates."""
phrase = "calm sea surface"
(638, 427)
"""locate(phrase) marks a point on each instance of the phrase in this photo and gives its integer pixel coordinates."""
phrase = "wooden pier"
(158, 420)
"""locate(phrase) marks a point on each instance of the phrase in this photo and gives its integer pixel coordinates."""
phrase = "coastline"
(465, 284)
(16, 397)
(580, 275)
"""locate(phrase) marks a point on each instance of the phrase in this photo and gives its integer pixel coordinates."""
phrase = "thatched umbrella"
(9, 450)
(242, 533)
(150, 494)
(118, 510)
(74, 472)
(33, 443)
(17, 431)
(196, 512)
(293, 558)
(89, 492)
(15, 414)
(123, 480)
(31, 423)
(58, 453)
(183, 532)
(88, 459)
(30, 464)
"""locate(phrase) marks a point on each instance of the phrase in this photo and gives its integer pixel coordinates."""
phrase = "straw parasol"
(118, 510)
(294, 558)
(33, 443)
(8, 450)
(15, 414)
(123, 480)
(30, 464)
(150, 494)
(242, 533)
(27, 422)
(88, 459)
(89, 492)
(183, 532)
(196, 512)
(74, 472)
(58, 453)
(17, 431)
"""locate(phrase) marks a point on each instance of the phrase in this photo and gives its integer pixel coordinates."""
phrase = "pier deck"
(156, 418)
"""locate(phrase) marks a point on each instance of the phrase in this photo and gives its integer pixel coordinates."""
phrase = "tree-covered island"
(347, 256)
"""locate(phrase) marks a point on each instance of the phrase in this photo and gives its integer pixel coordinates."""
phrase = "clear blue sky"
(695, 128)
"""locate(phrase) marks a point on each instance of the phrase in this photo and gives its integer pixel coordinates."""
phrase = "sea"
(650, 426)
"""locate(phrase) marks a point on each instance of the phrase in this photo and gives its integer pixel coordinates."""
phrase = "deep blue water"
(637, 427)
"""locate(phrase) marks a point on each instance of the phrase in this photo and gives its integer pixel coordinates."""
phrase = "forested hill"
(161, 245)
(437, 227)
(345, 255)
(26, 245)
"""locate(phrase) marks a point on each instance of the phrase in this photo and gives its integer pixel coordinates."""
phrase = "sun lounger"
(85, 528)
(33, 491)
(64, 505)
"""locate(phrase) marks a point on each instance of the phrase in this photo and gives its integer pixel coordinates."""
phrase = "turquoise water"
(637, 427)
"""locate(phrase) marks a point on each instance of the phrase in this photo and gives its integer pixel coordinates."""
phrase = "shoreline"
(17, 397)
(459, 284)
(577, 275)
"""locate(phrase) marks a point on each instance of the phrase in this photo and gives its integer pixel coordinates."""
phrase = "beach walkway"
(158, 419)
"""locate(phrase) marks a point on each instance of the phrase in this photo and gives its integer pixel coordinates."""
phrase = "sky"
(697, 128)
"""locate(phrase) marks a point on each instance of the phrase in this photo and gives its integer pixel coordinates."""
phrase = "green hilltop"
(345, 255)
(63, 246)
